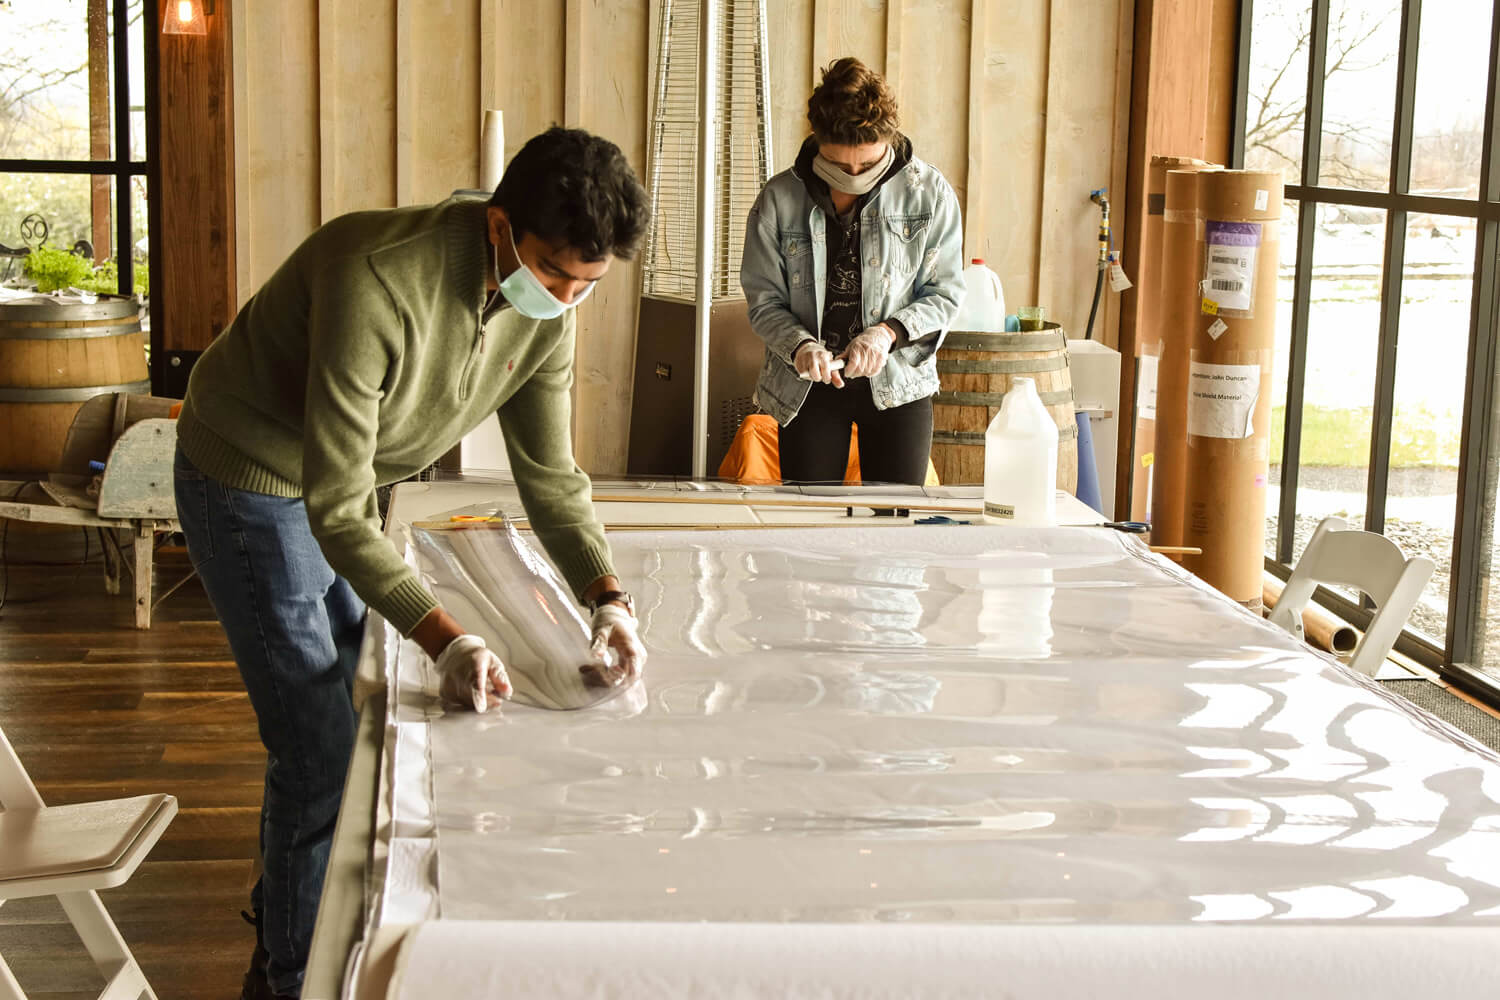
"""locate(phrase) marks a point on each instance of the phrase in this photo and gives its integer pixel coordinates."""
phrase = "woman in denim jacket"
(854, 254)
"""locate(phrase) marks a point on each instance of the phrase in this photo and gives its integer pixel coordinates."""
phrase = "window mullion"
(1244, 31)
(1291, 447)
(1377, 484)
(1472, 534)
(1378, 480)
(124, 240)
(1317, 71)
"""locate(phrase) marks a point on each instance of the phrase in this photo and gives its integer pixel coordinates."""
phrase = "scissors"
(1129, 527)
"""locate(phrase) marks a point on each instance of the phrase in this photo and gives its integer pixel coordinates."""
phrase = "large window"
(73, 151)
(1381, 117)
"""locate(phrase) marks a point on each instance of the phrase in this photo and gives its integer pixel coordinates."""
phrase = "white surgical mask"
(526, 293)
(856, 184)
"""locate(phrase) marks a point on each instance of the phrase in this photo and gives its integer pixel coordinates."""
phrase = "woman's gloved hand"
(866, 353)
(471, 674)
(815, 362)
(617, 645)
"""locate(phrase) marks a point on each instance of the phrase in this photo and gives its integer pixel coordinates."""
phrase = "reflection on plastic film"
(974, 726)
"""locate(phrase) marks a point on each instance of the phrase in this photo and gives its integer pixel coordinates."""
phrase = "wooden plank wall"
(353, 104)
(194, 286)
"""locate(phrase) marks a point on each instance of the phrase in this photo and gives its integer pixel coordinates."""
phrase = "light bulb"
(181, 17)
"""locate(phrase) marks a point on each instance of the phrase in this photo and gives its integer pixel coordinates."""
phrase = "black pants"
(894, 444)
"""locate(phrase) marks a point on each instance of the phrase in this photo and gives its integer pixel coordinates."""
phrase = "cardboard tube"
(1178, 313)
(492, 149)
(1229, 391)
(1322, 629)
(1147, 334)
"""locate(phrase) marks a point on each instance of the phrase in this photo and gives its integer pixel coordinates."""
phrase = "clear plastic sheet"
(500, 588)
(961, 725)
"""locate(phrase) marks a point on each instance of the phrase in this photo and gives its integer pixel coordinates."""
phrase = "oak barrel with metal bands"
(975, 371)
(54, 356)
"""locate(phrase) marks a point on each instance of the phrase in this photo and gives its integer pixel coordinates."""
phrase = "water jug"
(983, 308)
(1020, 460)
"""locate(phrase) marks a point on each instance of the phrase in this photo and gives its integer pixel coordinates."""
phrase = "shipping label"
(1145, 387)
(1229, 271)
(1221, 400)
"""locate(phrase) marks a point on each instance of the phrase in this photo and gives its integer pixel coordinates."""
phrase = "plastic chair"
(70, 852)
(1371, 563)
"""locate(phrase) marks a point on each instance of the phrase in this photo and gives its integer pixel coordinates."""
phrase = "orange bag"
(754, 458)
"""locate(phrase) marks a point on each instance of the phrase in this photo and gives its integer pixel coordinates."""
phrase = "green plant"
(53, 269)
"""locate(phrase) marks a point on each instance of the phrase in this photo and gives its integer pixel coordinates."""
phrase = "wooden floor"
(97, 709)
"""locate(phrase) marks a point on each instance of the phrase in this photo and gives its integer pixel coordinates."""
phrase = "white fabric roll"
(492, 149)
(613, 961)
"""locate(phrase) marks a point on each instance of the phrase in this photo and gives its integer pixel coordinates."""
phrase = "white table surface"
(341, 917)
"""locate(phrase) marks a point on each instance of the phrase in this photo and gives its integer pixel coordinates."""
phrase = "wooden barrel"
(975, 371)
(54, 356)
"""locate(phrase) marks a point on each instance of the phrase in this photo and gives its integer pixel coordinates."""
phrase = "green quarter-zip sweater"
(366, 356)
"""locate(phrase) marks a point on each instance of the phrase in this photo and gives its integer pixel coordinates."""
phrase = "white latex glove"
(866, 353)
(617, 647)
(815, 363)
(471, 674)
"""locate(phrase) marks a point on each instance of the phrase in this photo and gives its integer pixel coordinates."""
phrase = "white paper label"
(1261, 197)
(1217, 329)
(1117, 279)
(1230, 268)
(1221, 400)
(1145, 387)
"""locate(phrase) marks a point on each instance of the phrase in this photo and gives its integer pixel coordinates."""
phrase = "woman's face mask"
(853, 170)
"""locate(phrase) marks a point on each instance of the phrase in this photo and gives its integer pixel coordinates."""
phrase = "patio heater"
(709, 155)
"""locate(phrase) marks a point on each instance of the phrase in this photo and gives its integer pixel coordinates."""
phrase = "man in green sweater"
(383, 340)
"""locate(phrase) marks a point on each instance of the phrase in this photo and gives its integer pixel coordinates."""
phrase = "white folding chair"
(70, 852)
(1370, 563)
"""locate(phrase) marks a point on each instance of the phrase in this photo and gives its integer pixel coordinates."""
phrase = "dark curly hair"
(570, 186)
(853, 106)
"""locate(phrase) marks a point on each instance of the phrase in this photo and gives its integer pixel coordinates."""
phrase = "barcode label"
(1229, 265)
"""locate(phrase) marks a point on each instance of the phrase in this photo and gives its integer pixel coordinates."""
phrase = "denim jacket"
(912, 246)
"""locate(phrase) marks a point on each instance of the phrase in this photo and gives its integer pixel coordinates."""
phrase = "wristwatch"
(615, 597)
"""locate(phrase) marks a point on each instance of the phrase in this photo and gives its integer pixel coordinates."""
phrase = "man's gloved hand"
(617, 646)
(866, 353)
(471, 674)
(815, 362)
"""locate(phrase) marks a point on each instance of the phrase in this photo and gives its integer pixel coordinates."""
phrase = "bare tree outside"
(1356, 152)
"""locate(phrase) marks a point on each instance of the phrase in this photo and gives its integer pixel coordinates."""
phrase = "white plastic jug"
(1020, 460)
(983, 308)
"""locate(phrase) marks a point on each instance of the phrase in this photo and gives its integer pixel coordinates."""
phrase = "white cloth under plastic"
(950, 726)
(613, 961)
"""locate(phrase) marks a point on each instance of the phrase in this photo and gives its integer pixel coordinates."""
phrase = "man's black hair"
(570, 186)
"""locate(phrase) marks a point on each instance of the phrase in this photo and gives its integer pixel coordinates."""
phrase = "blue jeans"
(294, 628)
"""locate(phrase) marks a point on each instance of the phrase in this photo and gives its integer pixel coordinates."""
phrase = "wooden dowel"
(829, 503)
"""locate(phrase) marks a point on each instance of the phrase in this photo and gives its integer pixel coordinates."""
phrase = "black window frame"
(1462, 644)
(120, 166)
